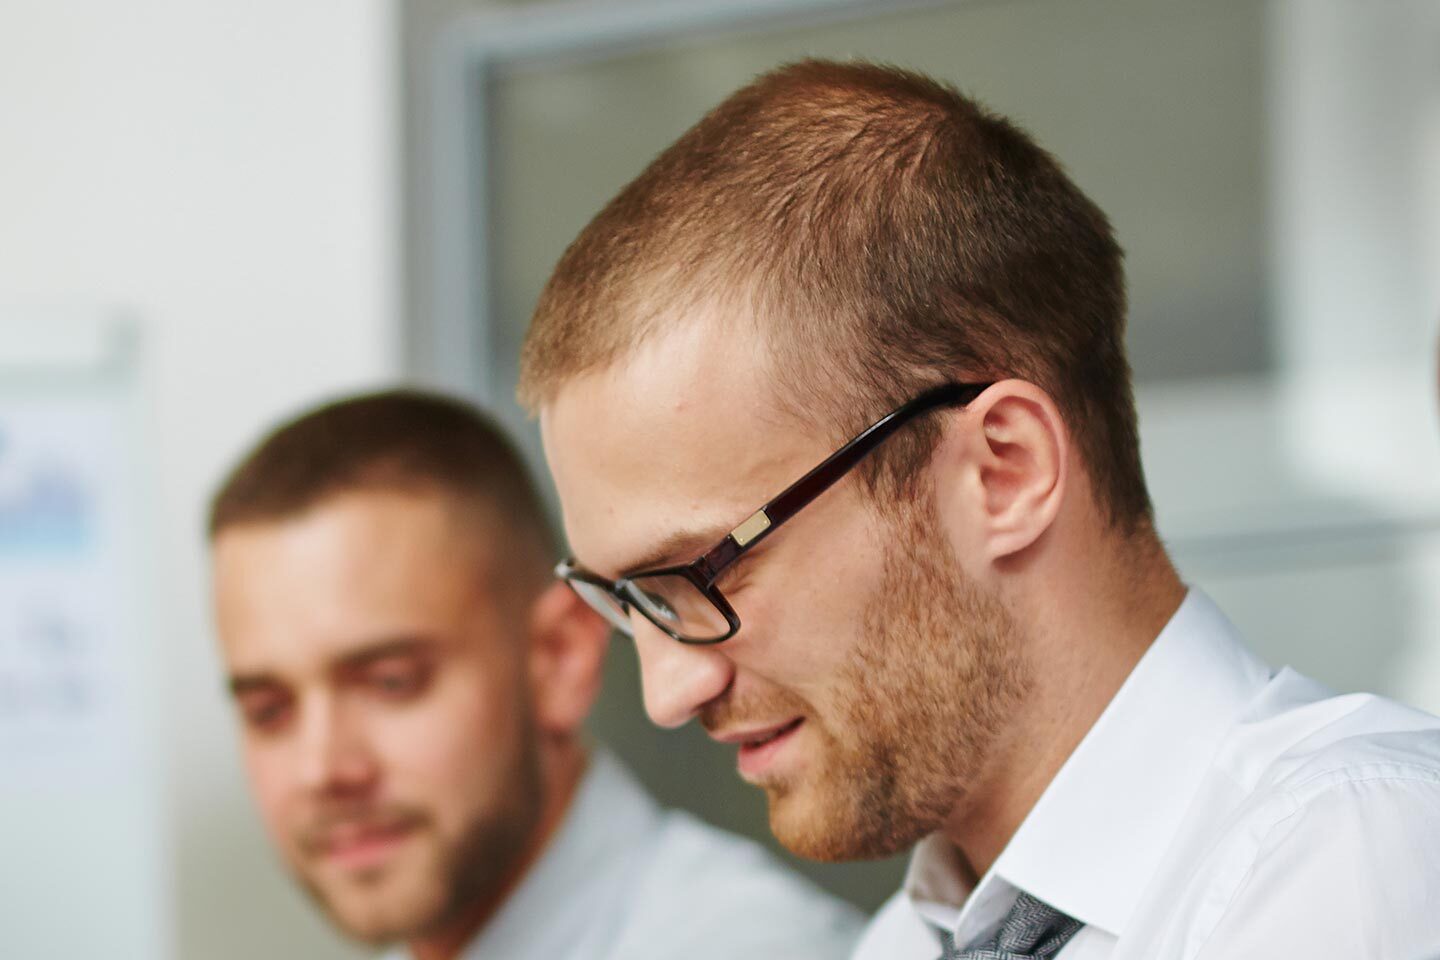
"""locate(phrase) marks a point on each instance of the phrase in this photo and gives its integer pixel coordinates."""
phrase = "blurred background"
(213, 214)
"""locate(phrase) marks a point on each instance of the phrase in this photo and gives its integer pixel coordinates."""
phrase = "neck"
(1081, 646)
(561, 772)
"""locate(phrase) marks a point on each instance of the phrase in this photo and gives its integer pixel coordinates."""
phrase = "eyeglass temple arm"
(808, 488)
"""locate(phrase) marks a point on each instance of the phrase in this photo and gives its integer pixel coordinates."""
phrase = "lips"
(362, 845)
(772, 735)
(760, 749)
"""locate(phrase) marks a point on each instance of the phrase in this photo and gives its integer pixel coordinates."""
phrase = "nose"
(678, 678)
(334, 759)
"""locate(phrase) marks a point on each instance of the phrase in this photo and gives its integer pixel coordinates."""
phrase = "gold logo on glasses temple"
(757, 524)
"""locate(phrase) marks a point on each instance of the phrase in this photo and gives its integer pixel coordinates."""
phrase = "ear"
(567, 651)
(1014, 454)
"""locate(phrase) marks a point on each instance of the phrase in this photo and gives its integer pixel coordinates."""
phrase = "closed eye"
(265, 709)
(735, 577)
(399, 677)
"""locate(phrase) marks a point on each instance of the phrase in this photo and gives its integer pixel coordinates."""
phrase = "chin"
(808, 826)
(378, 909)
(836, 825)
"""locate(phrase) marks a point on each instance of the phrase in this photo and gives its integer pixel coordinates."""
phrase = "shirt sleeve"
(1352, 873)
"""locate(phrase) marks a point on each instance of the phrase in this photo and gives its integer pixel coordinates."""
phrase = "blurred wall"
(225, 174)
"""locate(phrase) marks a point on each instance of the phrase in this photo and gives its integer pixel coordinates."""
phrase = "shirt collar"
(1101, 828)
(606, 832)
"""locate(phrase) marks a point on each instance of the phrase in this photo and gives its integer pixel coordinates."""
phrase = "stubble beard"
(459, 875)
(918, 707)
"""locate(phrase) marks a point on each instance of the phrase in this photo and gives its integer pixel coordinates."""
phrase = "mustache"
(317, 834)
(734, 711)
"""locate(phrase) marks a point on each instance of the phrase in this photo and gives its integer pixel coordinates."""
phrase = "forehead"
(357, 568)
(683, 436)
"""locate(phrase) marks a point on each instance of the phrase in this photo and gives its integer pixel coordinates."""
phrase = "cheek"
(274, 783)
(454, 750)
(810, 616)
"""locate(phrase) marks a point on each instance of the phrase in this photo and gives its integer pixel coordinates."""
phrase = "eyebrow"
(380, 650)
(241, 683)
(677, 547)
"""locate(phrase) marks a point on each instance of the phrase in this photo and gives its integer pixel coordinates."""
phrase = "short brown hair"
(885, 233)
(405, 439)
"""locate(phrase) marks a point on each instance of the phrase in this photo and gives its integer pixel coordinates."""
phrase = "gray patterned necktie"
(1032, 930)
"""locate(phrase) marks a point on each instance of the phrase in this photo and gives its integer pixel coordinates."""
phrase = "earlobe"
(1022, 451)
(567, 651)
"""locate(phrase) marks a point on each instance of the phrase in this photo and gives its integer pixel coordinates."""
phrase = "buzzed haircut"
(878, 233)
(398, 440)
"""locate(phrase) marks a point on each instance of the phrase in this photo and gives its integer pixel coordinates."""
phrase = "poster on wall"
(80, 784)
(66, 609)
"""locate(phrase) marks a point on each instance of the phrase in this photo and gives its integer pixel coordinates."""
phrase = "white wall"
(225, 173)
(1355, 107)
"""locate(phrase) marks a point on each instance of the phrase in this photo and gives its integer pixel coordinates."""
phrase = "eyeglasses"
(683, 600)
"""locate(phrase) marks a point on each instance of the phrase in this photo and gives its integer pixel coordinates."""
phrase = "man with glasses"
(836, 399)
(412, 687)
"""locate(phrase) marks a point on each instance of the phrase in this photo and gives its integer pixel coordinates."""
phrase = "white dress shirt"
(623, 878)
(1217, 810)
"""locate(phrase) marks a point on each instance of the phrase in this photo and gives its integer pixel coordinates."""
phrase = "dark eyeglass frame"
(703, 571)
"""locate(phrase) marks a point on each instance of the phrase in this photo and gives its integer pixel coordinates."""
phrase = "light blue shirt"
(623, 878)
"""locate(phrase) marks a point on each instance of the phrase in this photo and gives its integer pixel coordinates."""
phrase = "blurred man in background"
(836, 397)
(412, 686)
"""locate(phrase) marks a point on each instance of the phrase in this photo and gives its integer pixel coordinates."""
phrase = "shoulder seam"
(1303, 795)
(1368, 772)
